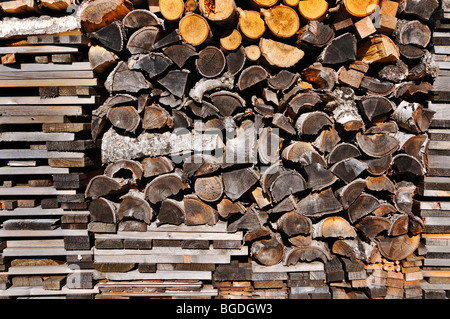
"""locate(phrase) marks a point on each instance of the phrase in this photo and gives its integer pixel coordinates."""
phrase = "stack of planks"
(301, 125)
(47, 155)
(435, 190)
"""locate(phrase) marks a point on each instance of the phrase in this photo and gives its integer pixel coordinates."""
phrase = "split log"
(268, 252)
(312, 9)
(348, 169)
(198, 212)
(96, 14)
(282, 21)
(236, 60)
(135, 207)
(350, 192)
(237, 182)
(153, 64)
(286, 183)
(398, 248)
(154, 166)
(194, 29)
(343, 151)
(345, 110)
(278, 54)
(139, 18)
(371, 226)
(265, 3)
(412, 117)
(230, 40)
(226, 208)
(380, 184)
(378, 49)
(112, 36)
(103, 210)
(301, 101)
(376, 86)
(319, 204)
(376, 108)
(354, 249)
(318, 177)
(251, 76)
(101, 59)
(317, 250)
(125, 168)
(211, 62)
(377, 145)
(172, 38)
(398, 225)
(315, 34)
(322, 77)
(269, 145)
(122, 79)
(180, 53)
(124, 117)
(171, 10)
(404, 164)
(156, 117)
(176, 82)
(251, 220)
(413, 33)
(363, 205)
(164, 186)
(209, 189)
(312, 123)
(293, 224)
(333, 227)
(171, 212)
(102, 185)
(227, 102)
(379, 166)
(419, 9)
(142, 40)
(200, 164)
(251, 24)
(340, 50)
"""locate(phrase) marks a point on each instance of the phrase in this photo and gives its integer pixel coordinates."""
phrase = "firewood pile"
(257, 149)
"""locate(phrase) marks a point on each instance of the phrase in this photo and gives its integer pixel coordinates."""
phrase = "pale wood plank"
(41, 49)
(37, 100)
(34, 191)
(48, 82)
(32, 119)
(36, 137)
(41, 110)
(37, 170)
(34, 154)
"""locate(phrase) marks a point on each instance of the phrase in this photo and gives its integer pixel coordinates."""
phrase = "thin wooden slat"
(38, 170)
(171, 235)
(299, 267)
(159, 275)
(34, 191)
(35, 154)
(42, 49)
(41, 119)
(163, 258)
(44, 270)
(48, 67)
(40, 291)
(48, 82)
(38, 211)
(35, 137)
(37, 100)
(41, 110)
(60, 75)
(58, 232)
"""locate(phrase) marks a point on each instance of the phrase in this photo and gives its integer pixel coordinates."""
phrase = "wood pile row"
(300, 124)
(47, 155)
(434, 203)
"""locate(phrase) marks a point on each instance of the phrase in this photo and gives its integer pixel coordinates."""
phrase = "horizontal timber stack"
(222, 149)
(435, 189)
(47, 92)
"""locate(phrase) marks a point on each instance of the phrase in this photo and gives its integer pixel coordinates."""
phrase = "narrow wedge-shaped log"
(333, 227)
(180, 53)
(176, 81)
(403, 199)
(200, 164)
(251, 220)
(122, 79)
(315, 34)
(237, 182)
(354, 249)
(322, 77)
(103, 210)
(379, 166)
(362, 206)
(318, 177)
(198, 212)
(340, 50)
(407, 165)
(101, 59)
(319, 204)
(348, 169)
(152, 64)
(268, 252)
(380, 184)
(376, 108)
(113, 36)
(227, 208)
(269, 145)
(163, 187)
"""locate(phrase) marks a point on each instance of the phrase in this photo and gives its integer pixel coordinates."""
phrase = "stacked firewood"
(301, 123)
